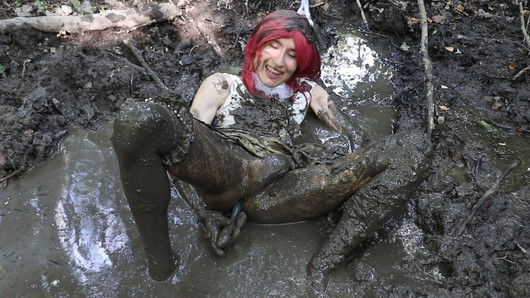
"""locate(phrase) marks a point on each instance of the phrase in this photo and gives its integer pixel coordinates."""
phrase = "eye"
(273, 44)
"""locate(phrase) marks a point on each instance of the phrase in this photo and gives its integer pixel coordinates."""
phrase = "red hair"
(284, 24)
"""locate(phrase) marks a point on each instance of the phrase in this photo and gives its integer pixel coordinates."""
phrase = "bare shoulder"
(221, 82)
(211, 95)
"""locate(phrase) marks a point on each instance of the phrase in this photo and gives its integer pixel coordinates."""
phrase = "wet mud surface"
(55, 87)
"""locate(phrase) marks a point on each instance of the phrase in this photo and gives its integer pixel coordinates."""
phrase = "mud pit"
(53, 85)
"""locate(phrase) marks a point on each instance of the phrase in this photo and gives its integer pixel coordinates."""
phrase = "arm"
(210, 97)
(327, 111)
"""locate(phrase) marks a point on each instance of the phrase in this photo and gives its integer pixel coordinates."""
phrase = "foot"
(163, 273)
(318, 277)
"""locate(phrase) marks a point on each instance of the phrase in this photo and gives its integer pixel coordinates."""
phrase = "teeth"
(274, 71)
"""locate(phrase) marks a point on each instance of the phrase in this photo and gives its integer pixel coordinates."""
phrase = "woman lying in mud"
(237, 143)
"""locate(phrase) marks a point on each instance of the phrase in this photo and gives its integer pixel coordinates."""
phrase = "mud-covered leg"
(142, 133)
(366, 211)
(312, 191)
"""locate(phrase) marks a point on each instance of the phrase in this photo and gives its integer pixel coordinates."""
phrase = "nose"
(279, 58)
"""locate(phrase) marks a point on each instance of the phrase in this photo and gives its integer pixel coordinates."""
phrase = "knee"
(143, 125)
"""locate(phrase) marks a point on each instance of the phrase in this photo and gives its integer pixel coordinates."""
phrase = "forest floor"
(51, 82)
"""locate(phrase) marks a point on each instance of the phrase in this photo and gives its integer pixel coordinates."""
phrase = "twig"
(362, 15)
(151, 73)
(10, 175)
(428, 67)
(523, 29)
(494, 188)
(520, 73)
(520, 247)
(239, 31)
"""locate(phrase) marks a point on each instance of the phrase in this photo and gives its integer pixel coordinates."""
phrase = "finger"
(225, 237)
(212, 231)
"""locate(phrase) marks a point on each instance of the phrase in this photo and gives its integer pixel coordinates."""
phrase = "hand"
(221, 230)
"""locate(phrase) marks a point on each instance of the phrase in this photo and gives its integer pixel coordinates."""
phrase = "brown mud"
(51, 83)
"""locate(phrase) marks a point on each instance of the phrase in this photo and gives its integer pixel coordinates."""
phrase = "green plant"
(76, 4)
(41, 6)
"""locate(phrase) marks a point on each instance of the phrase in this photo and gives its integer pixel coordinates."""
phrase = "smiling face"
(277, 62)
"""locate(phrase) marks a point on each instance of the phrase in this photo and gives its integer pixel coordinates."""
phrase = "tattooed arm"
(210, 97)
(327, 111)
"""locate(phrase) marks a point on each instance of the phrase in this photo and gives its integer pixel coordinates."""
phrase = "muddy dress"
(270, 126)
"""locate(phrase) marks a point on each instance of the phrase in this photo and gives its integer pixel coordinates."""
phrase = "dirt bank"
(52, 82)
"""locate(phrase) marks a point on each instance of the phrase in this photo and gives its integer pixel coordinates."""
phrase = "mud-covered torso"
(266, 126)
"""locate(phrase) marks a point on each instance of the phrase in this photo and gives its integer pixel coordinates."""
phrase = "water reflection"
(352, 69)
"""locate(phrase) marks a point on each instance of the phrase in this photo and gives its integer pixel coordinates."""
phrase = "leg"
(142, 132)
(222, 171)
(366, 211)
(312, 191)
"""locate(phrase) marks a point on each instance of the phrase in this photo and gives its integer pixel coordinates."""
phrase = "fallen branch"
(494, 188)
(428, 67)
(523, 29)
(124, 19)
(144, 64)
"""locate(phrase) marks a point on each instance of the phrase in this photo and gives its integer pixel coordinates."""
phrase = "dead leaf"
(415, 21)
(438, 19)
(450, 49)
(24, 11)
(429, 20)
(496, 105)
(443, 108)
(325, 6)
(460, 7)
(511, 66)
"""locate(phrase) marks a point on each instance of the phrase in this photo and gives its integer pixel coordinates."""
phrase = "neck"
(282, 91)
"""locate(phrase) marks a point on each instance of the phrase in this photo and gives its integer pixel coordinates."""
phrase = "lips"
(273, 73)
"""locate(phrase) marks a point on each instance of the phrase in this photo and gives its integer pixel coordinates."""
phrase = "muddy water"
(65, 228)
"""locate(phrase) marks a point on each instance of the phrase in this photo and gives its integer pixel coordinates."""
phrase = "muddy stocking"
(143, 132)
(312, 191)
(366, 211)
(223, 172)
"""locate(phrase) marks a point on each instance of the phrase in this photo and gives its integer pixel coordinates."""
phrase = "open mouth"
(273, 71)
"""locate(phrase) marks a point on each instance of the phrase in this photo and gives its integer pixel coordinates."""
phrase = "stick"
(428, 67)
(362, 15)
(151, 73)
(523, 29)
(520, 73)
(494, 188)
(124, 19)
(10, 175)
(239, 31)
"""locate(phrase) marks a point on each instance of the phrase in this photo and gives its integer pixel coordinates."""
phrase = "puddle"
(66, 230)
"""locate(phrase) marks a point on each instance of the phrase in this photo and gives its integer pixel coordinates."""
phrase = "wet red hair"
(284, 24)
